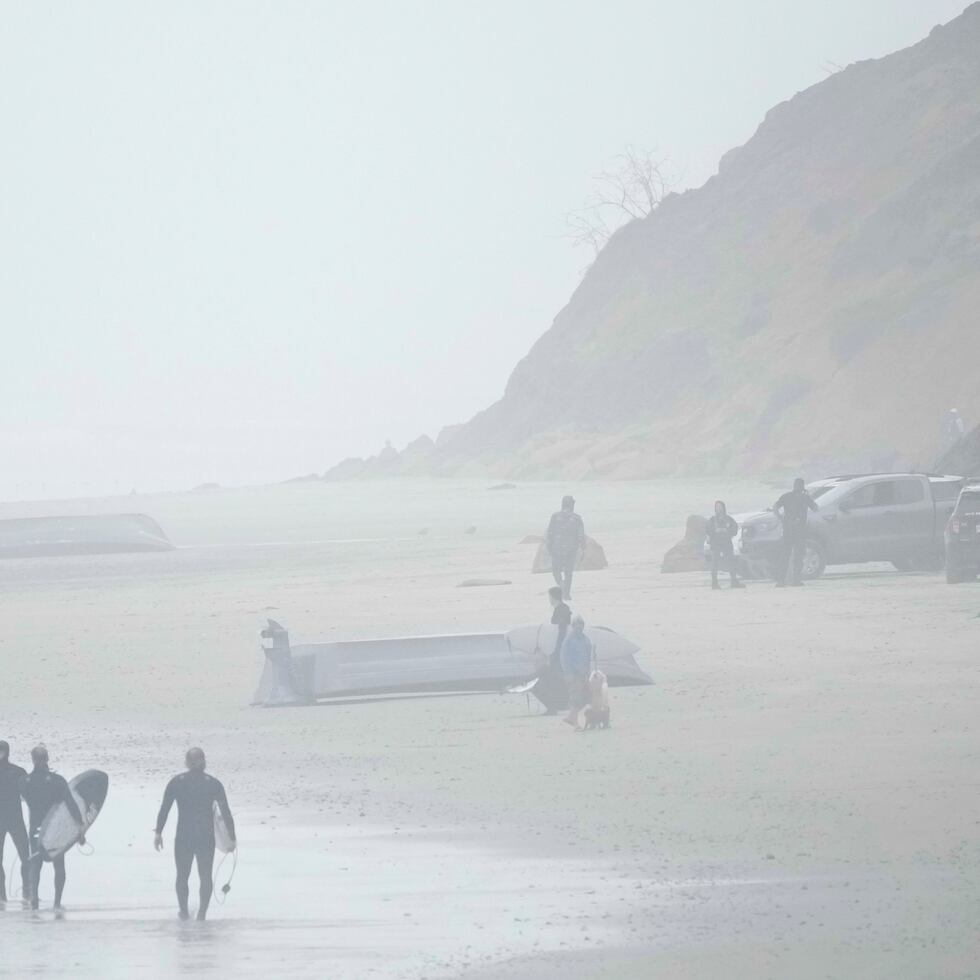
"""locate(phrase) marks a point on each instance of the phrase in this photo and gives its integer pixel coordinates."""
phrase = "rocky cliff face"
(816, 304)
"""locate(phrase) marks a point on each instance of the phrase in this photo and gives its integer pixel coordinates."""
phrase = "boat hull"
(463, 663)
(46, 537)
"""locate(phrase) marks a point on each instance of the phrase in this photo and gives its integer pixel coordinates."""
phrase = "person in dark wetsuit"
(792, 509)
(550, 689)
(12, 820)
(43, 789)
(195, 793)
(720, 532)
(565, 538)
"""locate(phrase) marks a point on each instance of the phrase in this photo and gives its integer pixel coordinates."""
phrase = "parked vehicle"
(963, 536)
(894, 517)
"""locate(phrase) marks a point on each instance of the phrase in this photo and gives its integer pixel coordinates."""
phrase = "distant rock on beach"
(688, 554)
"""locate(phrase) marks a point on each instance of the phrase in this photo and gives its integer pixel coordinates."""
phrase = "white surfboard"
(222, 836)
(59, 831)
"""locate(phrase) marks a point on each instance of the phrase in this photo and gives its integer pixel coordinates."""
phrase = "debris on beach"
(688, 554)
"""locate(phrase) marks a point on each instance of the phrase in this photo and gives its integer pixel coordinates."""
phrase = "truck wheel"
(814, 560)
(903, 564)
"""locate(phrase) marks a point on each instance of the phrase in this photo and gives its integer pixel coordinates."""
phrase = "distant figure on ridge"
(720, 531)
(951, 431)
(43, 790)
(565, 538)
(196, 794)
(793, 510)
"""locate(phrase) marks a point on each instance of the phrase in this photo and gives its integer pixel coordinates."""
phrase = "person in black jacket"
(12, 819)
(43, 790)
(196, 794)
(566, 542)
(550, 688)
(720, 532)
(793, 510)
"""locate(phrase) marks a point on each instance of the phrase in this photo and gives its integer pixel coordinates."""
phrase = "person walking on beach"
(565, 538)
(550, 688)
(42, 790)
(12, 820)
(793, 509)
(720, 531)
(196, 795)
(576, 662)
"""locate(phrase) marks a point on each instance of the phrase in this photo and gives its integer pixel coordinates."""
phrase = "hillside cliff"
(815, 304)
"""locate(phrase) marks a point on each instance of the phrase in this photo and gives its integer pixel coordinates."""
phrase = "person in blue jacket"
(576, 663)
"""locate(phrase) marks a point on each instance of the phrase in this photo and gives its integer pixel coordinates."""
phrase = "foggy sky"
(239, 240)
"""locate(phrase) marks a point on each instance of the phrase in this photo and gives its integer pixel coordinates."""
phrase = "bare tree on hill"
(633, 189)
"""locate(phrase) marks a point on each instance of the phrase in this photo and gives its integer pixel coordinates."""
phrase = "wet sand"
(794, 797)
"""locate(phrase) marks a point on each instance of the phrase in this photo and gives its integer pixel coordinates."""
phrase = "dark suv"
(963, 536)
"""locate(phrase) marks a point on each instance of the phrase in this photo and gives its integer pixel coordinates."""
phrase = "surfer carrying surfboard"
(196, 795)
(12, 819)
(43, 790)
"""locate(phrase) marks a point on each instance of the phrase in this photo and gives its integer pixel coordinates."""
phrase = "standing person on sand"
(565, 538)
(550, 688)
(196, 794)
(720, 532)
(792, 509)
(42, 790)
(12, 820)
(576, 662)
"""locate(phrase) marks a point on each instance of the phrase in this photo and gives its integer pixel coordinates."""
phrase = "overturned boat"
(464, 663)
(89, 534)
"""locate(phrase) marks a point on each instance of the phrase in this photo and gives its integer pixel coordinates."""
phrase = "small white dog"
(597, 711)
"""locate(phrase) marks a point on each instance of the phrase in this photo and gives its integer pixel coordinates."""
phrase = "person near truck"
(565, 538)
(720, 532)
(793, 509)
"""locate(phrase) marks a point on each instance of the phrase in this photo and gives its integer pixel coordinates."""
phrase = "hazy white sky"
(240, 240)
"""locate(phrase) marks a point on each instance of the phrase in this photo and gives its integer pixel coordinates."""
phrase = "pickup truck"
(894, 517)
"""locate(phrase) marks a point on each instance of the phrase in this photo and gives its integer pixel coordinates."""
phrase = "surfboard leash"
(221, 894)
(12, 890)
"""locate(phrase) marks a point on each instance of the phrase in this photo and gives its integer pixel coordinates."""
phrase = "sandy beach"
(796, 796)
